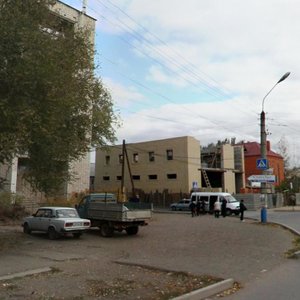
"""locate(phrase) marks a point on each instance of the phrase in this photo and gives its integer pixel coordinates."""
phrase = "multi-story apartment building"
(12, 172)
(170, 165)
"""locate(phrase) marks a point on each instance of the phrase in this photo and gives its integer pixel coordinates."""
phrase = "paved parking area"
(224, 247)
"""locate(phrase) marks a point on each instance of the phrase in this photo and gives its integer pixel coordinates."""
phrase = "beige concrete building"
(12, 172)
(170, 165)
(223, 168)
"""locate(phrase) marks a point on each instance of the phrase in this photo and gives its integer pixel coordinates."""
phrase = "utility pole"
(263, 149)
(125, 154)
(84, 3)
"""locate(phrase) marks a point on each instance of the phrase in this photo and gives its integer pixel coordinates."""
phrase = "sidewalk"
(287, 208)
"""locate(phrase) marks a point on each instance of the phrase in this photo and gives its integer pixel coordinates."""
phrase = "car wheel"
(26, 229)
(106, 230)
(132, 230)
(236, 213)
(77, 235)
(52, 234)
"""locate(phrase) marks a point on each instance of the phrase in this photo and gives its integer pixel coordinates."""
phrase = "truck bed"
(118, 212)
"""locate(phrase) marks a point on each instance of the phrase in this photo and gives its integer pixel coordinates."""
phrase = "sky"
(201, 68)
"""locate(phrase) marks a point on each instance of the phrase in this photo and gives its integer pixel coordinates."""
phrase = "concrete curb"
(207, 291)
(26, 273)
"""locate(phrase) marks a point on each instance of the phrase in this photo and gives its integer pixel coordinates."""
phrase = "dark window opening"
(106, 178)
(151, 156)
(119, 177)
(169, 154)
(107, 159)
(152, 177)
(172, 176)
(136, 177)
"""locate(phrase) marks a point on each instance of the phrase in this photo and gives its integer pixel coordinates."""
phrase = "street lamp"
(263, 146)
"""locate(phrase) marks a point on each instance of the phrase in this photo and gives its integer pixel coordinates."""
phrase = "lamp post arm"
(263, 102)
(286, 75)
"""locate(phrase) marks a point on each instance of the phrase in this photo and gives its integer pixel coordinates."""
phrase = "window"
(106, 178)
(107, 159)
(119, 177)
(169, 154)
(121, 158)
(152, 177)
(136, 177)
(172, 176)
(135, 157)
(40, 213)
(151, 156)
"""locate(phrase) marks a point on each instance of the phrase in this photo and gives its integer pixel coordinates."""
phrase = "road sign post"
(262, 178)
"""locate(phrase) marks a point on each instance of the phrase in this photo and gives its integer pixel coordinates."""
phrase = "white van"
(209, 198)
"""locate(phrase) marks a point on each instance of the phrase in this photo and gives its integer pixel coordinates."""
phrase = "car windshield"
(66, 213)
(230, 199)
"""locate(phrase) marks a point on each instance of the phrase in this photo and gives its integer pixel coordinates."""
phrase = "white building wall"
(9, 173)
(80, 168)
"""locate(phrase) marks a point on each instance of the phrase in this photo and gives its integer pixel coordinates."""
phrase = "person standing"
(217, 208)
(242, 209)
(198, 208)
(202, 206)
(223, 207)
(193, 208)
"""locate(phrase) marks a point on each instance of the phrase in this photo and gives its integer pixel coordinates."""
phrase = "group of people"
(219, 208)
(197, 208)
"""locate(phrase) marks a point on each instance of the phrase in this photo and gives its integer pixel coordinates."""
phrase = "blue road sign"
(262, 164)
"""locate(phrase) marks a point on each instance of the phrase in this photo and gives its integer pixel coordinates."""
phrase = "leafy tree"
(52, 107)
(282, 147)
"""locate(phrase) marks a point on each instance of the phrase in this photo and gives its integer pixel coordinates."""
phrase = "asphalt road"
(282, 282)
(288, 218)
(248, 252)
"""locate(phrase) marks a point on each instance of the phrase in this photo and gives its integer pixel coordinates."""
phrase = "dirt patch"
(10, 238)
(132, 283)
(153, 285)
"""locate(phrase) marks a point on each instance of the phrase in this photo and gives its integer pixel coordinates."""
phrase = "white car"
(56, 221)
(183, 204)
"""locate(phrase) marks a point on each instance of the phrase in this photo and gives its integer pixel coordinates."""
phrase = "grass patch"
(291, 252)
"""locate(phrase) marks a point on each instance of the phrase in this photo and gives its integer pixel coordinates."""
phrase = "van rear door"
(212, 200)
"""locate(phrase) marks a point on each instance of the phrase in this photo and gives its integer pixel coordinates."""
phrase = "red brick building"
(252, 153)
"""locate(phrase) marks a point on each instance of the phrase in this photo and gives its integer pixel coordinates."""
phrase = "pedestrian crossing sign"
(262, 164)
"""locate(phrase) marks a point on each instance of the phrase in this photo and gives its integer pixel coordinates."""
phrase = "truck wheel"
(106, 230)
(26, 229)
(132, 230)
(52, 234)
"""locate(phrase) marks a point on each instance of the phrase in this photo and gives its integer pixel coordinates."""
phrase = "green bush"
(11, 206)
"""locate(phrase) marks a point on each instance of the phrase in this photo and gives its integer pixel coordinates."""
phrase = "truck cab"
(84, 204)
